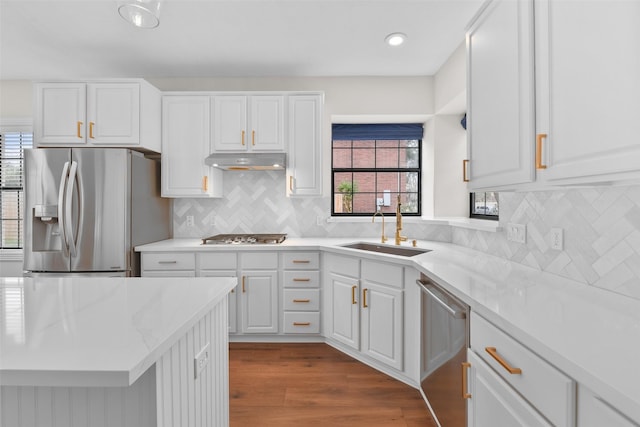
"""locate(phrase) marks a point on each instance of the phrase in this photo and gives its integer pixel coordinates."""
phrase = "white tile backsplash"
(601, 226)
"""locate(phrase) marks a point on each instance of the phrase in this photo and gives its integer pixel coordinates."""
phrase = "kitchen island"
(114, 351)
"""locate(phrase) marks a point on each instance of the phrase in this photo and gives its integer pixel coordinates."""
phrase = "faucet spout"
(399, 238)
(383, 238)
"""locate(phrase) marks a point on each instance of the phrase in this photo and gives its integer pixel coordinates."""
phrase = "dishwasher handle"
(456, 311)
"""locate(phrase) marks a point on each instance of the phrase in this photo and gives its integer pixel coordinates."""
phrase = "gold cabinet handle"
(253, 137)
(301, 261)
(91, 124)
(364, 298)
(494, 353)
(465, 366)
(301, 323)
(539, 138)
(291, 183)
(465, 167)
(79, 129)
(205, 183)
(301, 280)
(243, 287)
(301, 300)
(353, 294)
(243, 138)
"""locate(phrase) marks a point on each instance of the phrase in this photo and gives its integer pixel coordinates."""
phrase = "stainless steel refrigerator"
(87, 208)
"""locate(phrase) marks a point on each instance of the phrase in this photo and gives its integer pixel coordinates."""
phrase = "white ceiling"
(64, 39)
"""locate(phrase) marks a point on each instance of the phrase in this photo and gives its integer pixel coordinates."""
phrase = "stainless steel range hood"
(247, 161)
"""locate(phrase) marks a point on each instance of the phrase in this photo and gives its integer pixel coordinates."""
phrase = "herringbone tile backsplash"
(601, 226)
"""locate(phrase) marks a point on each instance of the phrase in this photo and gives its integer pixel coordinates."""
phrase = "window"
(374, 163)
(12, 144)
(484, 205)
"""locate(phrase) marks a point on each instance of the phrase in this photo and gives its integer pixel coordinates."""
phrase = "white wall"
(16, 99)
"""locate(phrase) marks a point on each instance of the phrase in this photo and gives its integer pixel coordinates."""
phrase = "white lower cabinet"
(493, 402)
(258, 277)
(301, 292)
(365, 308)
(593, 411)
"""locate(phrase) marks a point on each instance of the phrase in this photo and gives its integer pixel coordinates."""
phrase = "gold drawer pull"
(465, 366)
(291, 183)
(91, 124)
(301, 261)
(205, 183)
(301, 323)
(353, 294)
(301, 300)
(243, 288)
(539, 138)
(494, 353)
(301, 280)
(243, 138)
(167, 262)
(253, 137)
(79, 129)
(364, 298)
(465, 166)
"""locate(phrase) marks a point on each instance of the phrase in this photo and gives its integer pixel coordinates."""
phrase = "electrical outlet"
(517, 233)
(557, 239)
(201, 361)
(190, 221)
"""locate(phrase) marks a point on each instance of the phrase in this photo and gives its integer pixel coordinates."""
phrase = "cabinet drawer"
(168, 261)
(302, 323)
(548, 389)
(259, 260)
(343, 265)
(218, 261)
(301, 279)
(302, 299)
(388, 274)
(301, 260)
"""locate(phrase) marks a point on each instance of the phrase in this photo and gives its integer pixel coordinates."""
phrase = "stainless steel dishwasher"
(443, 350)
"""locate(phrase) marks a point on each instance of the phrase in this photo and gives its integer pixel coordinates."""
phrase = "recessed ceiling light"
(395, 39)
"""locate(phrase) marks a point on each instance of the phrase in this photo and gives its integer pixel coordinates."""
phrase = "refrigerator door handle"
(68, 208)
(61, 211)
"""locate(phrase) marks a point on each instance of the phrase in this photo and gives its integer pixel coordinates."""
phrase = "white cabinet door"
(595, 412)
(304, 161)
(233, 301)
(267, 123)
(493, 402)
(248, 123)
(113, 113)
(382, 326)
(185, 145)
(587, 70)
(259, 302)
(229, 123)
(60, 113)
(500, 121)
(344, 322)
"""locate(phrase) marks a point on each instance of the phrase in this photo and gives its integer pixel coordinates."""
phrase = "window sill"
(468, 223)
(11, 255)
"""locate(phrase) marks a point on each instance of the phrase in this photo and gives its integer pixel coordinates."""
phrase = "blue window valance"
(359, 132)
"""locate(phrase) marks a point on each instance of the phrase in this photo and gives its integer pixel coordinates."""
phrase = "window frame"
(417, 170)
(24, 126)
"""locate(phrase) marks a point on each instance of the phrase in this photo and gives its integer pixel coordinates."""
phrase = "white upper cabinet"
(588, 90)
(500, 123)
(586, 105)
(248, 123)
(117, 114)
(186, 143)
(304, 163)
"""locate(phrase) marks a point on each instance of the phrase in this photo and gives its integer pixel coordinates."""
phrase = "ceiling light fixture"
(140, 13)
(395, 39)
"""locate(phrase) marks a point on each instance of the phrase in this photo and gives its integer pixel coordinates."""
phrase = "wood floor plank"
(313, 384)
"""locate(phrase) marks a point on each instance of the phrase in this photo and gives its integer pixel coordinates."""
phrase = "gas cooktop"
(244, 239)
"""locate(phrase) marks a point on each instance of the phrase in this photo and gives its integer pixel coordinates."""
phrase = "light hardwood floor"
(315, 385)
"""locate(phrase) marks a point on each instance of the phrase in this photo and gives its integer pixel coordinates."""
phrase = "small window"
(12, 145)
(484, 205)
(373, 164)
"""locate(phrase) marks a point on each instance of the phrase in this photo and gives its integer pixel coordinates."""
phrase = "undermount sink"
(385, 249)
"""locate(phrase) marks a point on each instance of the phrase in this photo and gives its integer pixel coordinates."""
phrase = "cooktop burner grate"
(250, 239)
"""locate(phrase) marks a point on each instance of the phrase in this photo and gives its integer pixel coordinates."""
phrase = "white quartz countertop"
(590, 334)
(89, 331)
